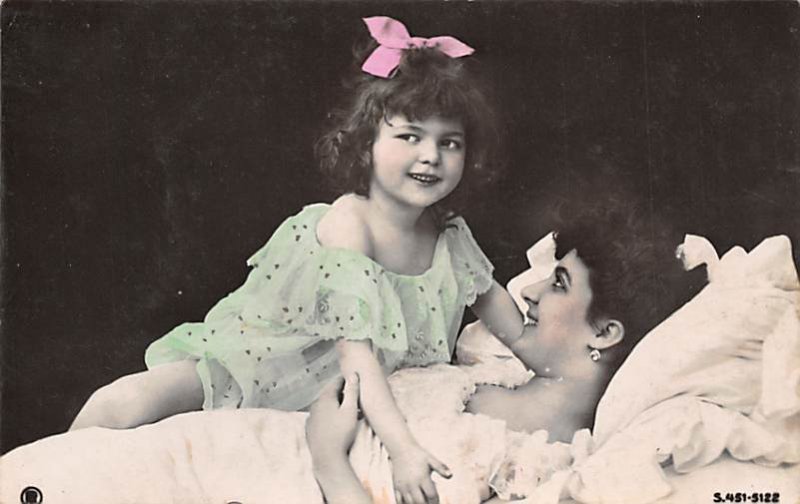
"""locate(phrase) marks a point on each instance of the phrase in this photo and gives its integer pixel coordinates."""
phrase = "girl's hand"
(412, 476)
(411, 464)
(499, 313)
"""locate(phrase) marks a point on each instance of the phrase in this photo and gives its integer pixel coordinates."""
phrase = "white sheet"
(729, 476)
(251, 456)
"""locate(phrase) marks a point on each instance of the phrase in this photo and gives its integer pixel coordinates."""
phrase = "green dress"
(270, 343)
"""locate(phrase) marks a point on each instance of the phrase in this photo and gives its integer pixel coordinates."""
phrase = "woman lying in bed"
(582, 321)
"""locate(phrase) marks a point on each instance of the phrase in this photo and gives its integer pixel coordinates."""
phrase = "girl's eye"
(409, 137)
(559, 284)
(451, 144)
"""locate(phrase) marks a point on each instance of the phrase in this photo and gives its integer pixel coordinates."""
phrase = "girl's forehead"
(427, 121)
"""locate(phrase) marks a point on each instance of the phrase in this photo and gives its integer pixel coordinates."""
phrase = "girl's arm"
(497, 310)
(356, 357)
(411, 464)
(330, 431)
(337, 480)
(497, 500)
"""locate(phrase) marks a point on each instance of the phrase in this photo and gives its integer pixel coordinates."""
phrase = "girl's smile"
(417, 163)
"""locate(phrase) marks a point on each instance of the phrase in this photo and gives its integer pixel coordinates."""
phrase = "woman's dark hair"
(427, 83)
(633, 272)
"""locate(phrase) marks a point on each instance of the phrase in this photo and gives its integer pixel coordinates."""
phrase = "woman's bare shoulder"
(491, 400)
(345, 226)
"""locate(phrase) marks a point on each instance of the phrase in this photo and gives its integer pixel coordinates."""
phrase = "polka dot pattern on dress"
(300, 293)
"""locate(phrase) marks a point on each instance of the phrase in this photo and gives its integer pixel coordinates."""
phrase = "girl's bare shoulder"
(345, 226)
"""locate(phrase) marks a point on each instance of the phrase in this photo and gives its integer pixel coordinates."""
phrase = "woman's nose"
(532, 292)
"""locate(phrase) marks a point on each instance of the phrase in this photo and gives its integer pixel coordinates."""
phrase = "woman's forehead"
(575, 266)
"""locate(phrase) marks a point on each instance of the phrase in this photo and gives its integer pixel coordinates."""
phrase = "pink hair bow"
(393, 38)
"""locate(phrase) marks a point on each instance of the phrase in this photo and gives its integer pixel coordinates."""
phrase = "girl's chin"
(423, 203)
(431, 199)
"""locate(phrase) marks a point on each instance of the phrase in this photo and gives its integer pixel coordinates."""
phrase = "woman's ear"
(611, 332)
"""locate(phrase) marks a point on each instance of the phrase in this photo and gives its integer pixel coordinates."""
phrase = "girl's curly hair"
(426, 84)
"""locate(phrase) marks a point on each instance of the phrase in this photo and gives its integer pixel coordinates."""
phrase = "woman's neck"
(570, 401)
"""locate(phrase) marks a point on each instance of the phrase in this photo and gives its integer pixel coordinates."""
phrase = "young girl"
(372, 283)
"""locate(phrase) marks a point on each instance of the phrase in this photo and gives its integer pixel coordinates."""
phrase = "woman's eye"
(558, 283)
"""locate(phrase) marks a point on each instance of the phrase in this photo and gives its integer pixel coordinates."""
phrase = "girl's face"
(557, 309)
(417, 163)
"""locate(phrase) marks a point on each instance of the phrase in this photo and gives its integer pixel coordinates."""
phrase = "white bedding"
(179, 460)
(252, 455)
(731, 390)
(721, 375)
(729, 476)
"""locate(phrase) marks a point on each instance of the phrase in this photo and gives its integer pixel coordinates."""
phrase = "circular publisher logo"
(31, 495)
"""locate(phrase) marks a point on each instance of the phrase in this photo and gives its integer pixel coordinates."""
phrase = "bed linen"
(260, 456)
(729, 476)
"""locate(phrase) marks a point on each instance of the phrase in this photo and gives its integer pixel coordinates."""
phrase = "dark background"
(149, 148)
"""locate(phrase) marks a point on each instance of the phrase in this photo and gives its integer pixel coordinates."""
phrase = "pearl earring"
(594, 355)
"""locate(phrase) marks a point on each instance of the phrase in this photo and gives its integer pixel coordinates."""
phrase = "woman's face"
(557, 308)
(417, 163)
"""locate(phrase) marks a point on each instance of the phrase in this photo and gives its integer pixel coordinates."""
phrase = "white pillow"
(722, 374)
(736, 344)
